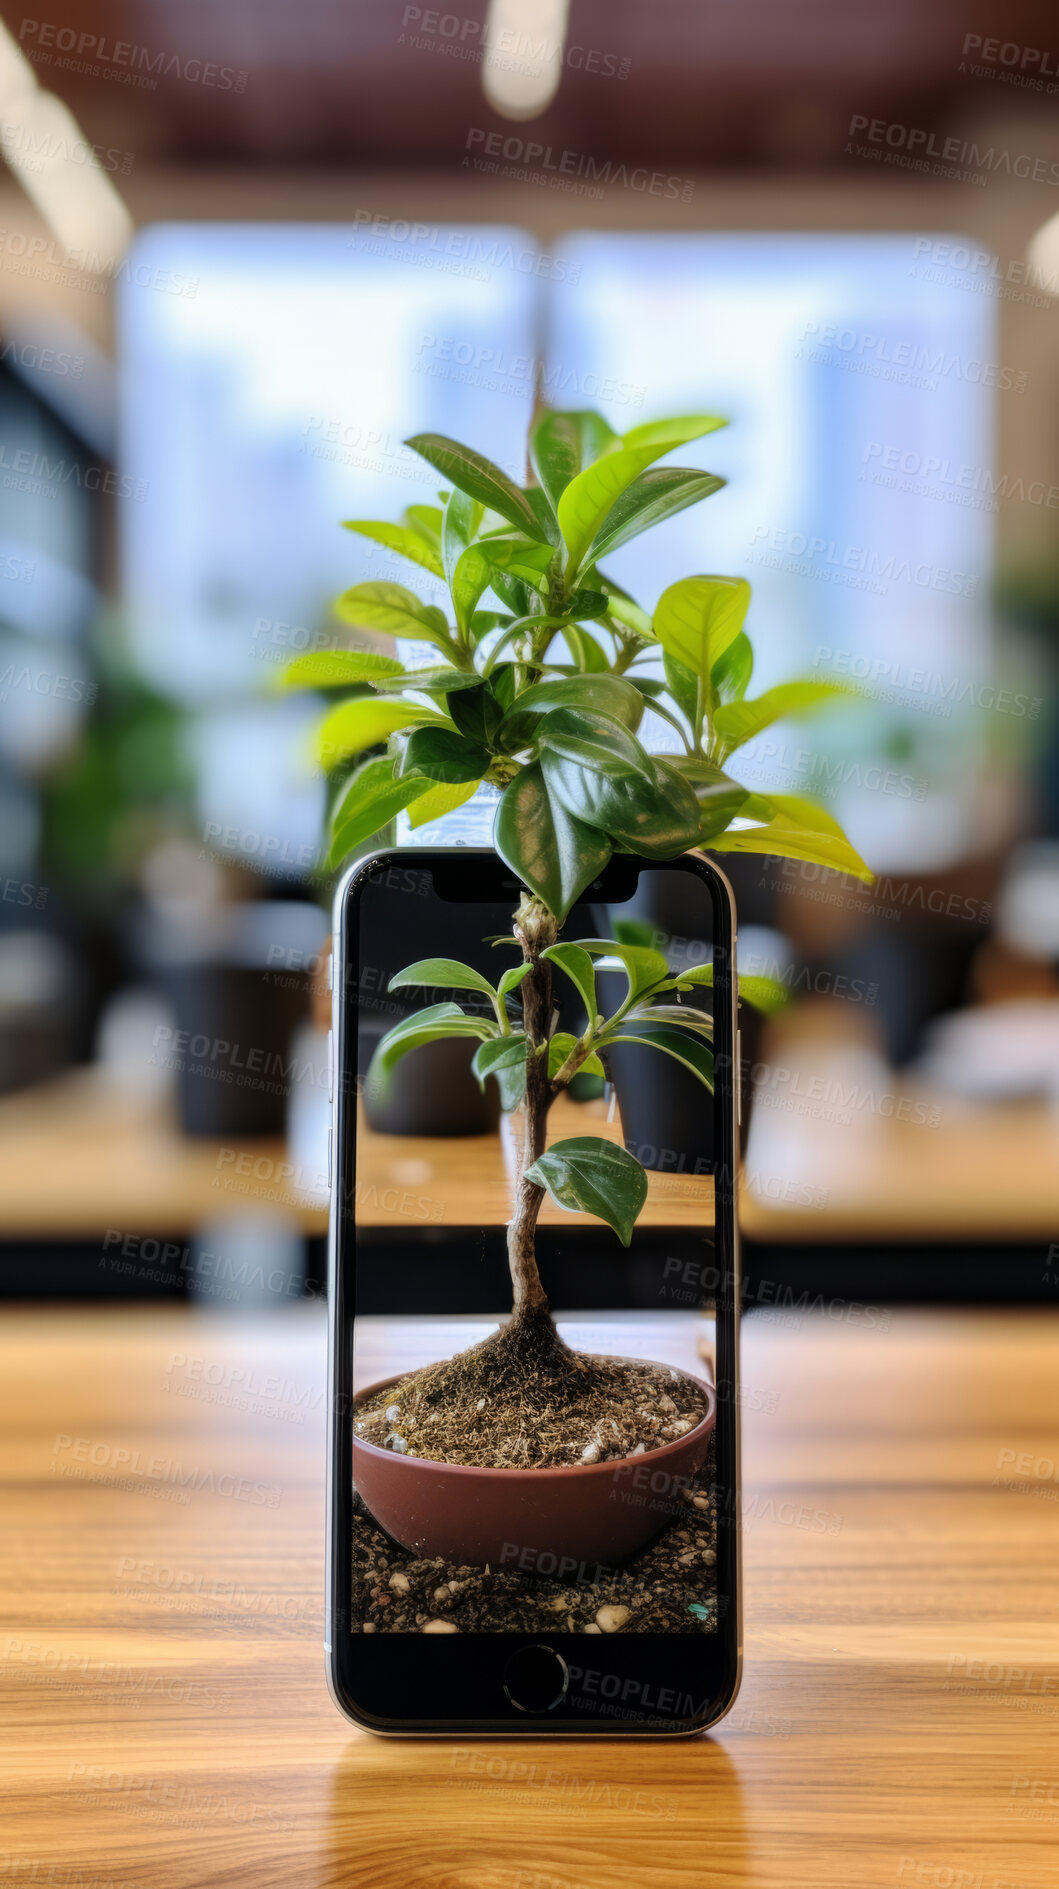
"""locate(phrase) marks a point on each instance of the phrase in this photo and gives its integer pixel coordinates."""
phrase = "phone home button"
(535, 1679)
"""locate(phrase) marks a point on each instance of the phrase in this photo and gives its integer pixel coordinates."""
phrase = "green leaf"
(649, 500)
(505, 1058)
(588, 498)
(563, 444)
(460, 520)
(683, 687)
(794, 810)
(443, 755)
(588, 655)
(407, 543)
(425, 1026)
(547, 522)
(732, 671)
(586, 603)
(699, 617)
(555, 855)
(477, 714)
(605, 695)
(442, 974)
(353, 726)
(427, 521)
(766, 994)
(578, 966)
(471, 576)
(719, 797)
(478, 478)
(781, 841)
(440, 680)
(336, 668)
(624, 608)
(371, 800)
(440, 800)
(592, 741)
(560, 1047)
(683, 1045)
(644, 967)
(396, 612)
(663, 435)
(481, 562)
(739, 722)
(588, 1175)
(513, 977)
(681, 1016)
(651, 812)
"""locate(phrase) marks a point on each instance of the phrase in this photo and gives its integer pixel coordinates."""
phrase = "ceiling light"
(524, 45)
(1044, 256)
(57, 167)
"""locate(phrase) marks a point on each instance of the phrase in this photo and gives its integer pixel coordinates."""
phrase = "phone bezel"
(438, 1686)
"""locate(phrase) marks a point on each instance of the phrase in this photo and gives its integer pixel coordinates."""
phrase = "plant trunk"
(535, 929)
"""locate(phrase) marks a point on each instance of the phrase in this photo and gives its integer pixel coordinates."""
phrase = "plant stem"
(535, 928)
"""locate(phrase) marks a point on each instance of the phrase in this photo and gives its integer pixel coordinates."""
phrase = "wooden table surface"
(167, 1720)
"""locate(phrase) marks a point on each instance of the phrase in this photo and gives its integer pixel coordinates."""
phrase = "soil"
(523, 1400)
(671, 1587)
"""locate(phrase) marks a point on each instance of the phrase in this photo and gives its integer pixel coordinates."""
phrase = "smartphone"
(530, 1569)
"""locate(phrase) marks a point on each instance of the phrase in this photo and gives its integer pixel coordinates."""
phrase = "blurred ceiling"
(748, 82)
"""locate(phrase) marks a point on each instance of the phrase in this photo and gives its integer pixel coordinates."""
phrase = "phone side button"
(330, 1065)
(739, 1078)
(535, 1679)
(330, 1148)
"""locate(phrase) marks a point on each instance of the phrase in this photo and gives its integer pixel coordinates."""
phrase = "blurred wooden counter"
(77, 1157)
(161, 1657)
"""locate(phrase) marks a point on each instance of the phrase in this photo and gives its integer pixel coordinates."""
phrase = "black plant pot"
(238, 984)
(233, 1058)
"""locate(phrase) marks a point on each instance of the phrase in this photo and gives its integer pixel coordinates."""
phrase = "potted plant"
(537, 690)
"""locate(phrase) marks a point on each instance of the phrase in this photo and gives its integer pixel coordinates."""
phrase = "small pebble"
(399, 1583)
(368, 1627)
(397, 1444)
(710, 1557)
(611, 1619)
(442, 1596)
(392, 1412)
(441, 1626)
(593, 1629)
(590, 1453)
(701, 1501)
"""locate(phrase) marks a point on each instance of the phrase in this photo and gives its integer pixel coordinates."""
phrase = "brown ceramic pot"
(545, 1521)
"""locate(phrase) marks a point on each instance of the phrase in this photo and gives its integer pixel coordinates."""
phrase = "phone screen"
(555, 1472)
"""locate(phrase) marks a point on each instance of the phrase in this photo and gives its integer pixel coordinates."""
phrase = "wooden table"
(167, 1722)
